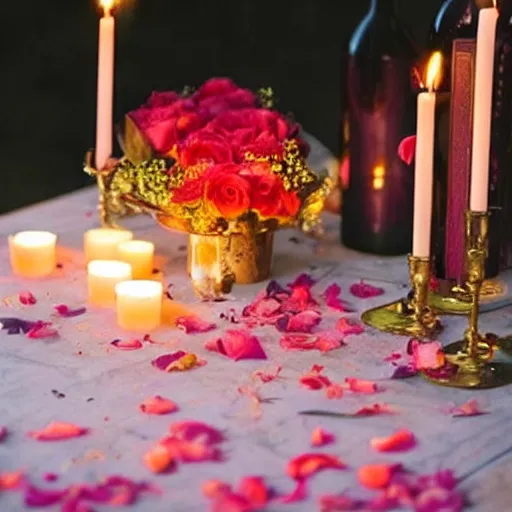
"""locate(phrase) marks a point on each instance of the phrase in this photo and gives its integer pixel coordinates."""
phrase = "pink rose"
(162, 99)
(215, 87)
(204, 147)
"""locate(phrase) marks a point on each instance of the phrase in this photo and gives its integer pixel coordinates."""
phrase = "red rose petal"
(10, 480)
(308, 464)
(376, 476)
(177, 362)
(334, 391)
(323, 341)
(303, 281)
(332, 298)
(266, 377)
(299, 493)
(299, 300)
(158, 459)
(67, 312)
(232, 503)
(339, 503)
(194, 325)
(365, 291)
(127, 344)
(349, 327)
(190, 451)
(42, 330)
(158, 405)
(303, 322)
(407, 149)
(27, 298)
(253, 488)
(374, 410)
(361, 386)
(394, 356)
(214, 489)
(469, 408)
(57, 431)
(320, 437)
(399, 441)
(35, 497)
(196, 431)
(3, 433)
(426, 355)
(237, 345)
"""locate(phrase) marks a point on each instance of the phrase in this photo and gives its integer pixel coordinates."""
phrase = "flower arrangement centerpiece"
(221, 164)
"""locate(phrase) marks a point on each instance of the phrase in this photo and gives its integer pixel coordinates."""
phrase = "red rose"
(215, 87)
(266, 190)
(291, 204)
(228, 192)
(190, 192)
(162, 99)
(204, 147)
(211, 106)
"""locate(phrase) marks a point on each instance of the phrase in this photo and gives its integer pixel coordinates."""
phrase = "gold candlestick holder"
(469, 360)
(410, 316)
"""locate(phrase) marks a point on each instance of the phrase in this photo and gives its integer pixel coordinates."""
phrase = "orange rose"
(228, 192)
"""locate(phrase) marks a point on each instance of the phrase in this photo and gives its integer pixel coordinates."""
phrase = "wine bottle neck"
(383, 6)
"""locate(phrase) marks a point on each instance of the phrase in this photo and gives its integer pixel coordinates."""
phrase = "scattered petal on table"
(214, 489)
(361, 386)
(158, 405)
(404, 372)
(190, 451)
(127, 344)
(407, 149)
(232, 503)
(67, 312)
(27, 298)
(3, 433)
(303, 280)
(374, 410)
(299, 493)
(320, 437)
(339, 503)
(237, 345)
(158, 459)
(303, 322)
(399, 441)
(314, 379)
(35, 497)
(394, 356)
(306, 465)
(439, 499)
(50, 477)
(196, 431)
(267, 376)
(363, 290)
(332, 298)
(334, 391)
(349, 327)
(254, 489)
(376, 476)
(300, 299)
(42, 330)
(57, 431)
(10, 480)
(177, 362)
(255, 398)
(426, 355)
(194, 324)
(470, 408)
(324, 341)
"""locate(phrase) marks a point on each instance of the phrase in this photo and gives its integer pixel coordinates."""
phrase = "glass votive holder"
(102, 278)
(140, 255)
(139, 305)
(33, 253)
(103, 243)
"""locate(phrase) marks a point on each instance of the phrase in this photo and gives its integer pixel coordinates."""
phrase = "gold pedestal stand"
(410, 316)
(469, 360)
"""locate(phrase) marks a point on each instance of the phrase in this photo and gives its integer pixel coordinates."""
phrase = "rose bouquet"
(210, 161)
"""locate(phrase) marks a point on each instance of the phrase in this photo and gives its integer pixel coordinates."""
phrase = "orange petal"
(158, 405)
(334, 391)
(158, 459)
(57, 431)
(190, 451)
(215, 489)
(361, 386)
(308, 464)
(376, 476)
(254, 489)
(401, 440)
(320, 437)
(10, 480)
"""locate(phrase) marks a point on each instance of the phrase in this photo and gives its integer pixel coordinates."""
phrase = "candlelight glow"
(434, 69)
(107, 6)
(379, 173)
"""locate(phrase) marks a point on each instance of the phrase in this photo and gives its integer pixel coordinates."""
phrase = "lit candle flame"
(495, 3)
(434, 69)
(107, 6)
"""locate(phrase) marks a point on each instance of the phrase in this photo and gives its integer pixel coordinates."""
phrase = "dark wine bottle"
(378, 199)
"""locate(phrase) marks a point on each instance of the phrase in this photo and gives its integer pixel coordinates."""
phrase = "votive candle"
(140, 255)
(103, 243)
(139, 305)
(33, 253)
(103, 276)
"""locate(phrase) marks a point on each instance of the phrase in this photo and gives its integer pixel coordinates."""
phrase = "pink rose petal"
(27, 298)
(334, 391)
(349, 327)
(320, 437)
(194, 325)
(299, 300)
(190, 451)
(177, 362)
(361, 386)
(303, 322)
(308, 464)
(3, 433)
(42, 330)
(35, 497)
(214, 489)
(339, 503)
(10, 480)
(374, 410)
(426, 355)
(265, 376)
(57, 431)
(127, 344)
(407, 149)
(67, 312)
(237, 345)
(196, 431)
(254, 489)
(394, 356)
(158, 405)
(232, 503)
(314, 379)
(324, 341)
(399, 441)
(365, 291)
(299, 493)
(469, 408)
(303, 280)
(332, 298)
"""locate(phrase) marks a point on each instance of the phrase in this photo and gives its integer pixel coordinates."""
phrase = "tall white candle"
(105, 100)
(424, 162)
(484, 70)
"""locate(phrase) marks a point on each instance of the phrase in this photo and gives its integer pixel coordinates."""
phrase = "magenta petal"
(237, 345)
(194, 325)
(35, 497)
(196, 431)
(164, 361)
(349, 327)
(438, 498)
(27, 298)
(42, 330)
(365, 291)
(3, 433)
(67, 312)
(303, 322)
(407, 149)
(332, 298)
(299, 493)
(304, 280)
(127, 344)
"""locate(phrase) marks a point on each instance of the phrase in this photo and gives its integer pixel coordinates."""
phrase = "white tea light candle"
(139, 255)
(139, 305)
(103, 276)
(33, 253)
(103, 243)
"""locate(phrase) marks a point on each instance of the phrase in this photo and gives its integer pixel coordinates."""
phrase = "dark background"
(48, 56)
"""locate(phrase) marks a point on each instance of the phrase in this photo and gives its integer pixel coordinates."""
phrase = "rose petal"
(332, 298)
(407, 149)
(27, 298)
(196, 431)
(3, 433)
(349, 327)
(266, 377)
(57, 431)
(303, 280)
(299, 493)
(253, 488)
(127, 344)
(237, 345)
(323, 341)
(365, 291)
(374, 410)
(214, 489)
(394, 356)
(299, 300)
(361, 386)
(158, 405)
(314, 380)
(194, 325)
(232, 503)
(10, 480)
(376, 476)
(67, 312)
(50, 477)
(339, 502)
(399, 441)
(307, 464)
(404, 372)
(42, 330)
(158, 459)
(303, 322)
(334, 391)
(426, 355)
(190, 451)
(177, 362)
(320, 437)
(35, 497)
(469, 408)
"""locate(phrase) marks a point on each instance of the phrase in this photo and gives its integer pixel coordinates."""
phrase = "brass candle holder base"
(410, 316)
(468, 362)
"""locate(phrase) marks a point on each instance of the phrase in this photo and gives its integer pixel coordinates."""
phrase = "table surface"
(82, 365)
